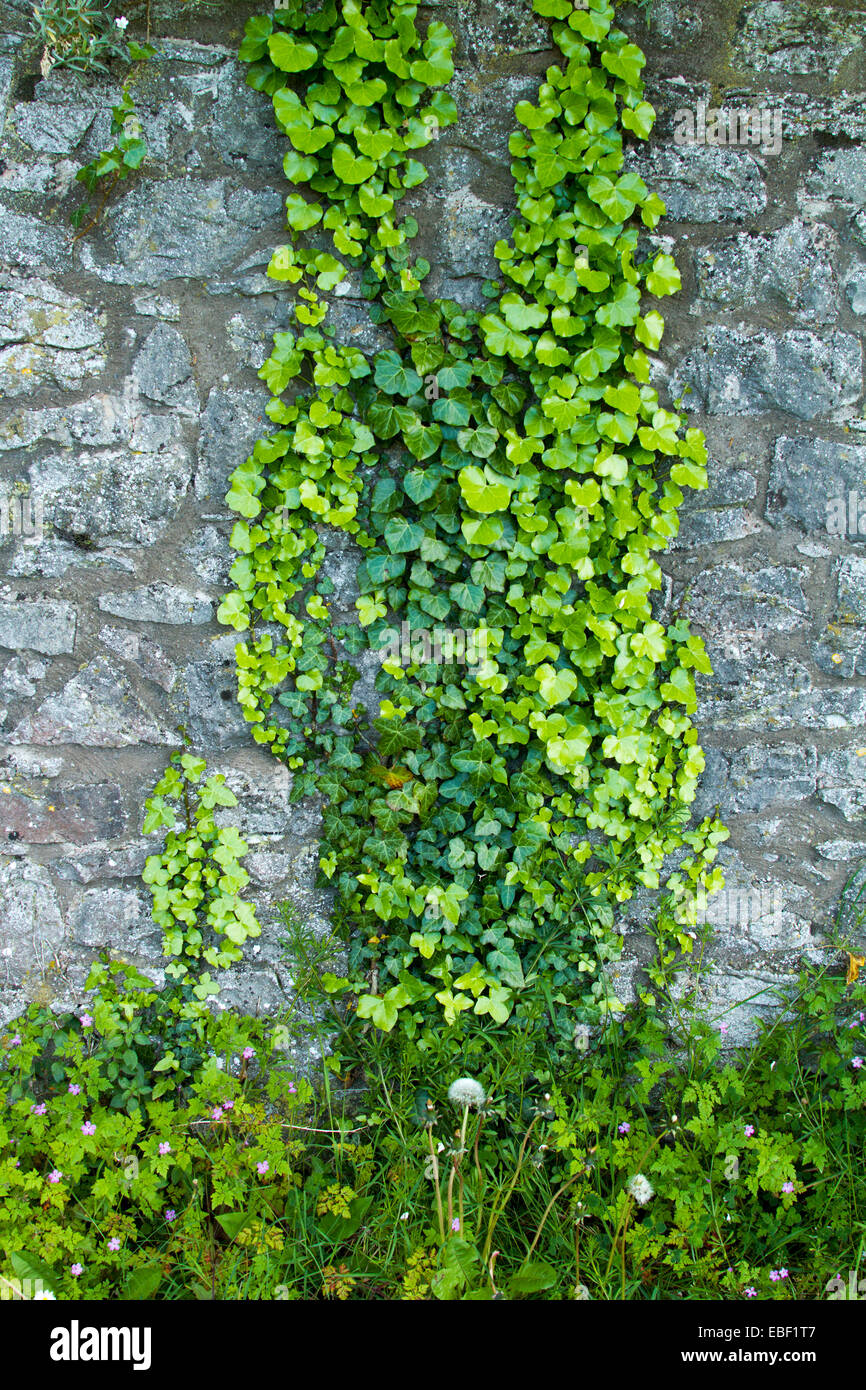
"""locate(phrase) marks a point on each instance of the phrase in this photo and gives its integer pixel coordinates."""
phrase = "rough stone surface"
(129, 393)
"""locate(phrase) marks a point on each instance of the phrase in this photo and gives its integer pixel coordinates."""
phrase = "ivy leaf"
(481, 441)
(289, 55)
(402, 536)
(483, 493)
(348, 166)
(395, 378)
(664, 278)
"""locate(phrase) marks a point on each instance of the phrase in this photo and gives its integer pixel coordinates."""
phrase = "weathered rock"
(124, 497)
(790, 269)
(96, 709)
(842, 781)
(186, 228)
(741, 373)
(158, 603)
(31, 927)
(163, 369)
(851, 590)
(71, 814)
(742, 599)
(793, 36)
(37, 625)
(810, 485)
(701, 184)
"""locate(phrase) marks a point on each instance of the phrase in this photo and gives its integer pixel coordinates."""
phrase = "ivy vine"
(511, 473)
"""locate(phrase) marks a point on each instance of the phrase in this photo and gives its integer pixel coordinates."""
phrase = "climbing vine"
(509, 474)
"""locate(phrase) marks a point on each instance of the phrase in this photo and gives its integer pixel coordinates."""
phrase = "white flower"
(121, 22)
(641, 1189)
(582, 1033)
(465, 1092)
(581, 1293)
(44, 1295)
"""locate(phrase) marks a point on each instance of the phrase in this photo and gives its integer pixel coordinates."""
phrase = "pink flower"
(262, 1168)
(624, 1127)
(171, 1214)
(292, 1088)
(75, 1270)
(248, 1053)
(88, 1127)
(751, 1293)
(216, 1113)
(38, 1109)
(455, 1224)
(227, 1104)
(16, 1041)
(787, 1187)
(114, 1244)
(857, 1062)
(723, 1028)
(74, 1089)
(164, 1148)
(86, 1021)
(54, 1176)
(775, 1276)
(749, 1131)
(783, 1273)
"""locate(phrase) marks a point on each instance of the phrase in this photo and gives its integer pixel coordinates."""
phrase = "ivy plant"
(510, 471)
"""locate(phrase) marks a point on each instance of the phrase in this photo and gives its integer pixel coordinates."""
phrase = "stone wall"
(129, 392)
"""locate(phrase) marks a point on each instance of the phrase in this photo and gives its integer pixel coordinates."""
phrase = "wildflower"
(227, 1104)
(641, 1189)
(54, 1176)
(723, 1028)
(44, 1296)
(783, 1273)
(114, 1244)
(171, 1214)
(121, 22)
(74, 1089)
(293, 1090)
(262, 1168)
(581, 1293)
(216, 1113)
(775, 1276)
(749, 1131)
(164, 1148)
(787, 1187)
(624, 1127)
(16, 1041)
(751, 1293)
(455, 1224)
(857, 1062)
(248, 1053)
(404, 1216)
(465, 1093)
(581, 1037)
(38, 1109)
(86, 1021)
(75, 1270)
(88, 1127)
